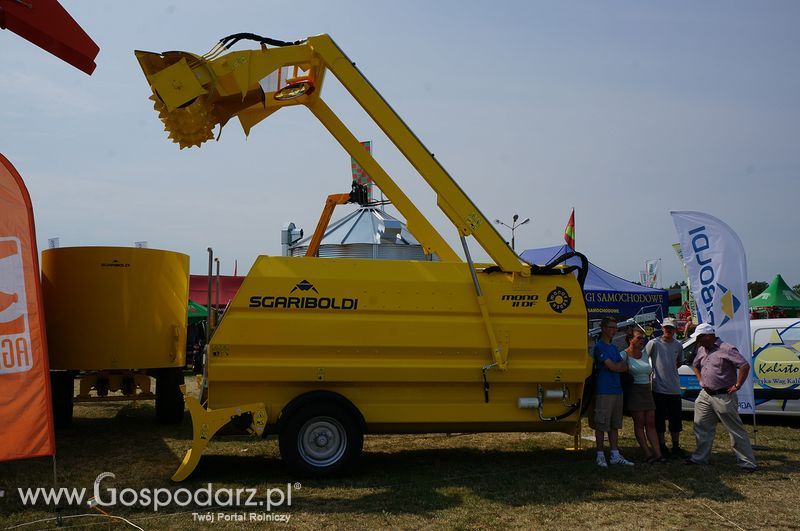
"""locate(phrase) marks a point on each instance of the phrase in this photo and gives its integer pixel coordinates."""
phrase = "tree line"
(753, 288)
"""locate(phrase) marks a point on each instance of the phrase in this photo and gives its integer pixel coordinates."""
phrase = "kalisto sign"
(776, 363)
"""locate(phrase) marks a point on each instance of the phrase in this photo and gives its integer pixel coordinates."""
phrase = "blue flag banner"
(717, 269)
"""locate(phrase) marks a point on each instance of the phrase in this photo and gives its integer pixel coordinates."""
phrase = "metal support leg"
(206, 423)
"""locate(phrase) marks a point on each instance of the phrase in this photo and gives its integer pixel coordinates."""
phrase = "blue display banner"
(623, 304)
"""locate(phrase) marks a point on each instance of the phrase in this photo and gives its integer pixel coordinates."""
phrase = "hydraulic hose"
(562, 416)
(551, 269)
(230, 40)
(566, 414)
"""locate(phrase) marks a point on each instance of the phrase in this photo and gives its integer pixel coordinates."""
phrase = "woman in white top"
(640, 397)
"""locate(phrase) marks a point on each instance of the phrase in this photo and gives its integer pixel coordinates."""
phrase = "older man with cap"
(666, 354)
(721, 371)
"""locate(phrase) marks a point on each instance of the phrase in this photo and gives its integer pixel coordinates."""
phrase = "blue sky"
(623, 110)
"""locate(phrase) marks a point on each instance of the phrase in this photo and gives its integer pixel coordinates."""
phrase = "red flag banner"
(569, 231)
(26, 418)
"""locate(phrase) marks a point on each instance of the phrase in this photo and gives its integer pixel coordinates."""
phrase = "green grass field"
(414, 481)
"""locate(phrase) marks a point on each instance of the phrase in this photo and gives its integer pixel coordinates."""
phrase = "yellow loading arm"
(195, 93)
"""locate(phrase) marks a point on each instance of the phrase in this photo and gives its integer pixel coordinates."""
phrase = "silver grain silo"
(368, 232)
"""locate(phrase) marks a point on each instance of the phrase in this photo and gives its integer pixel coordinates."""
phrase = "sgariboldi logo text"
(559, 299)
(304, 302)
(114, 263)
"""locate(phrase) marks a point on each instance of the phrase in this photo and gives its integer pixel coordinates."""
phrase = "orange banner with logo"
(26, 415)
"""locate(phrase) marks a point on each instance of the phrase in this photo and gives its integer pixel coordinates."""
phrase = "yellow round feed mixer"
(115, 317)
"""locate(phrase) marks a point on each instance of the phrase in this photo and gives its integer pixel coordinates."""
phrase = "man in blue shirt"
(608, 399)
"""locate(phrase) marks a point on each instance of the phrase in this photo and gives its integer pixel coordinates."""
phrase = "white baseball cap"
(669, 321)
(703, 328)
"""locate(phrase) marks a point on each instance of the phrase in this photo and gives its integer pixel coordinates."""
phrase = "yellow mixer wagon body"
(116, 316)
(322, 351)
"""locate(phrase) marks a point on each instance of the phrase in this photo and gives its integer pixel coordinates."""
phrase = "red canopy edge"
(47, 24)
(228, 286)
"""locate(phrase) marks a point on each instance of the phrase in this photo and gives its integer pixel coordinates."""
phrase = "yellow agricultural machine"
(321, 351)
(116, 320)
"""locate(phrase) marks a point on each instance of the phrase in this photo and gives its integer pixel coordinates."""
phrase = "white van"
(775, 367)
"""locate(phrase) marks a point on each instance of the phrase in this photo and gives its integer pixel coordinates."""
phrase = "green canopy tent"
(197, 312)
(778, 295)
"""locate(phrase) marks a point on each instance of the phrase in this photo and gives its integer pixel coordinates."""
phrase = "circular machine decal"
(559, 299)
(777, 367)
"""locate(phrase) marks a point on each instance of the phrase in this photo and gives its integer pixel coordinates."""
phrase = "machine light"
(295, 90)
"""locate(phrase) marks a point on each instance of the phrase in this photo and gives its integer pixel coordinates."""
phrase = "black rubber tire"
(169, 400)
(62, 391)
(328, 418)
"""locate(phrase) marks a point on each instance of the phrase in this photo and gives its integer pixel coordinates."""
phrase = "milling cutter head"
(187, 126)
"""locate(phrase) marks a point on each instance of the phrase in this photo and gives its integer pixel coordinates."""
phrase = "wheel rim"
(322, 441)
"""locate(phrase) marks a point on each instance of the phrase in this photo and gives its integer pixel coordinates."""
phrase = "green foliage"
(756, 287)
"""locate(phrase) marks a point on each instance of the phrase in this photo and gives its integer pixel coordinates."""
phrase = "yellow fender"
(207, 422)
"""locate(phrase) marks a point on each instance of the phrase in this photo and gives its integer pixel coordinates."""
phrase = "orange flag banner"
(26, 416)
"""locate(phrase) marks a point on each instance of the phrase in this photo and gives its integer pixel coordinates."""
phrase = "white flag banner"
(690, 295)
(717, 269)
(652, 270)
